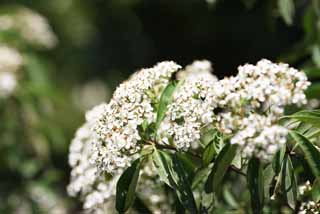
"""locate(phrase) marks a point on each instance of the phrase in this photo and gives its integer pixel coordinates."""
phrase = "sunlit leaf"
(165, 99)
(287, 10)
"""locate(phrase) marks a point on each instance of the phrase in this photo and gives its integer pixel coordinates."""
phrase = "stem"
(235, 169)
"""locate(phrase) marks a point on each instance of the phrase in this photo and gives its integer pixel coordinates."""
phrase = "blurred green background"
(99, 44)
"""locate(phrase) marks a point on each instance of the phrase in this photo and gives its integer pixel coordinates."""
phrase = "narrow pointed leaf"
(165, 100)
(161, 161)
(289, 183)
(307, 116)
(220, 167)
(126, 186)
(171, 171)
(312, 154)
(287, 10)
(256, 185)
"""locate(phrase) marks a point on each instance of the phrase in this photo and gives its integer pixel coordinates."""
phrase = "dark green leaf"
(312, 154)
(182, 186)
(201, 175)
(289, 183)
(256, 185)
(126, 187)
(287, 10)
(171, 171)
(269, 174)
(165, 99)
(313, 91)
(220, 167)
(277, 160)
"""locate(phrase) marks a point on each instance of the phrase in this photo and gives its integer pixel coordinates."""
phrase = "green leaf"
(171, 170)
(316, 190)
(182, 186)
(289, 183)
(220, 167)
(208, 154)
(312, 154)
(256, 185)
(269, 174)
(207, 136)
(287, 10)
(162, 161)
(249, 4)
(126, 187)
(313, 90)
(307, 116)
(316, 55)
(277, 161)
(201, 175)
(165, 100)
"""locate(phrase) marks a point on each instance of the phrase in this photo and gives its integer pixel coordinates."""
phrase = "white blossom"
(10, 63)
(309, 207)
(192, 107)
(32, 27)
(131, 105)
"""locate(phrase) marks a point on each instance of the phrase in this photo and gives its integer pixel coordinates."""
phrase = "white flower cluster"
(250, 104)
(10, 62)
(257, 136)
(253, 101)
(305, 188)
(244, 107)
(131, 105)
(98, 190)
(32, 27)
(192, 107)
(93, 187)
(309, 207)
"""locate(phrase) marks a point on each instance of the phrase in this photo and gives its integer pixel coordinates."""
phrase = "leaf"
(307, 116)
(126, 187)
(313, 90)
(207, 136)
(256, 185)
(182, 186)
(171, 171)
(165, 99)
(220, 167)
(316, 55)
(201, 175)
(289, 183)
(286, 9)
(312, 154)
(269, 174)
(277, 161)
(208, 154)
(249, 4)
(161, 161)
(316, 190)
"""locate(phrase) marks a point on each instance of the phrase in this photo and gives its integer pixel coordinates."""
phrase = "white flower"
(130, 106)
(32, 27)
(10, 59)
(192, 106)
(10, 63)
